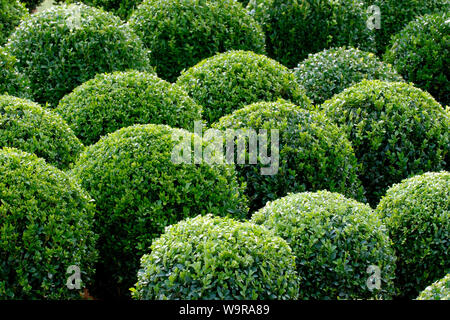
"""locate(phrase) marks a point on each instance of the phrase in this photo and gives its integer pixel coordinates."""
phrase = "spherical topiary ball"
(29, 127)
(397, 131)
(312, 152)
(121, 8)
(439, 290)
(46, 227)
(180, 33)
(113, 101)
(330, 71)
(417, 214)
(11, 81)
(64, 46)
(395, 15)
(140, 186)
(215, 258)
(229, 81)
(11, 12)
(421, 53)
(296, 28)
(341, 246)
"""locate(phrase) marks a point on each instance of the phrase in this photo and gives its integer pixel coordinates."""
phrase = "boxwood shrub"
(27, 126)
(397, 131)
(395, 15)
(417, 214)
(231, 80)
(113, 101)
(439, 290)
(66, 45)
(314, 153)
(335, 241)
(45, 227)
(11, 81)
(421, 53)
(11, 12)
(215, 258)
(121, 8)
(139, 190)
(294, 28)
(180, 33)
(331, 71)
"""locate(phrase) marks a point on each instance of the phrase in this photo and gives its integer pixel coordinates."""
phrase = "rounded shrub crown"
(27, 126)
(313, 153)
(45, 227)
(180, 33)
(439, 290)
(421, 53)
(395, 15)
(296, 28)
(113, 101)
(417, 214)
(11, 81)
(396, 129)
(11, 12)
(335, 241)
(331, 71)
(64, 46)
(139, 190)
(216, 258)
(231, 80)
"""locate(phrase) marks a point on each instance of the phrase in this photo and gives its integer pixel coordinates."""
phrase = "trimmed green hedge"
(11, 12)
(113, 101)
(180, 33)
(11, 81)
(231, 80)
(27, 126)
(314, 153)
(296, 28)
(395, 15)
(64, 46)
(397, 131)
(329, 72)
(45, 227)
(421, 53)
(335, 241)
(214, 258)
(139, 190)
(439, 290)
(417, 214)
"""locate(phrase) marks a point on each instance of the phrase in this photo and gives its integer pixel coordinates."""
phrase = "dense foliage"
(314, 153)
(294, 28)
(113, 101)
(11, 81)
(64, 46)
(439, 290)
(45, 227)
(417, 214)
(180, 33)
(216, 258)
(421, 53)
(11, 12)
(397, 131)
(331, 71)
(335, 240)
(31, 5)
(229, 81)
(121, 8)
(139, 190)
(395, 15)
(27, 126)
